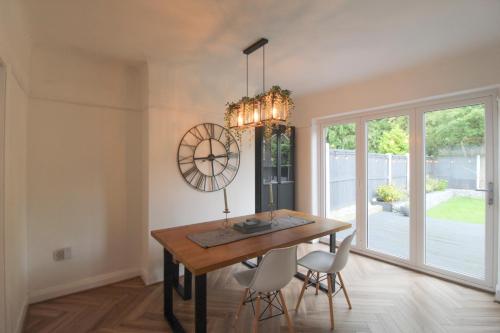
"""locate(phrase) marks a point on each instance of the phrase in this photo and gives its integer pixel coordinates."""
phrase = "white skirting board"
(22, 316)
(156, 275)
(83, 284)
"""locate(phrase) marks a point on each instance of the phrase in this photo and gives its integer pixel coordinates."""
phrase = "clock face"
(208, 157)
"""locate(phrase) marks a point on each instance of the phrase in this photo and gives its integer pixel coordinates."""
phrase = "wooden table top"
(200, 260)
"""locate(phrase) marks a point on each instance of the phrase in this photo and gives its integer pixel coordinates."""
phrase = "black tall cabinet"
(275, 164)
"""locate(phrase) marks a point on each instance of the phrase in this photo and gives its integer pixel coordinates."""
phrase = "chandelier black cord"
(263, 69)
(247, 75)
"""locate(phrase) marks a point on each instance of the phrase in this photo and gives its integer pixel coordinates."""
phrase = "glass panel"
(286, 158)
(388, 206)
(454, 169)
(270, 159)
(341, 174)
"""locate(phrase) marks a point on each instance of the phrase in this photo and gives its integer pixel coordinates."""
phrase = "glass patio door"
(459, 189)
(418, 185)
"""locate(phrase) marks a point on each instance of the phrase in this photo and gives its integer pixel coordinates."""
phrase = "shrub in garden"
(389, 193)
(433, 184)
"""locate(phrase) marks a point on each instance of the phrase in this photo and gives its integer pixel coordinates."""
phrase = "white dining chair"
(264, 284)
(329, 264)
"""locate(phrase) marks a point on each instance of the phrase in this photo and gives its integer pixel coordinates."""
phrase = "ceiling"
(313, 44)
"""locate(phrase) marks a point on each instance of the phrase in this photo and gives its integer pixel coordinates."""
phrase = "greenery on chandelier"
(265, 101)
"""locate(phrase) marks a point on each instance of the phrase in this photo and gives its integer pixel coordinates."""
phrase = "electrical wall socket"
(62, 254)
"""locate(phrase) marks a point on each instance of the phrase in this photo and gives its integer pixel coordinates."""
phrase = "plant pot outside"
(386, 206)
(402, 207)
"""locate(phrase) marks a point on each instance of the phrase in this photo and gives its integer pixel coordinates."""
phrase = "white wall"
(84, 171)
(179, 98)
(14, 54)
(102, 175)
(472, 70)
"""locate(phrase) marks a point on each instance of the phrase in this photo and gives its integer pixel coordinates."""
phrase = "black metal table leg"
(184, 291)
(312, 279)
(333, 240)
(200, 307)
(333, 249)
(168, 288)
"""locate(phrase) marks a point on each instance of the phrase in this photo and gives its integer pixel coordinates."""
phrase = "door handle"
(491, 193)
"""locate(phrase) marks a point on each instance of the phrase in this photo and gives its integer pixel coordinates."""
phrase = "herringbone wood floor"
(385, 298)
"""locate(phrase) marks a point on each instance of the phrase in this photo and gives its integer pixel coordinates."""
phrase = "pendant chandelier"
(268, 109)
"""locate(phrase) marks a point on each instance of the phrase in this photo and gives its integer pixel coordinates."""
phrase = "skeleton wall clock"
(208, 157)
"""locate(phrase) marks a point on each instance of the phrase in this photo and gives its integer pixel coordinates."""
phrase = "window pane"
(286, 158)
(270, 160)
(388, 206)
(341, 174)
(454, 169)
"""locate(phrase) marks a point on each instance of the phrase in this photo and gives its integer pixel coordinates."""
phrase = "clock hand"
(211, 154)
(208, 157)
(221, 164)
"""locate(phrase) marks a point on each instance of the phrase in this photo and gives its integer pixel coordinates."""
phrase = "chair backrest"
(342, 254)
(275, 270)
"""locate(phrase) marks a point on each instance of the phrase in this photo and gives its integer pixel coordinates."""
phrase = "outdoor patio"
(450, 245)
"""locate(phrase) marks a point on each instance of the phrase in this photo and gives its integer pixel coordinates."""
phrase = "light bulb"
(275, 113)
(240, 119)
(256, 115)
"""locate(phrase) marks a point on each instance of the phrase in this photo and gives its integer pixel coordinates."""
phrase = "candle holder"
(225, 224)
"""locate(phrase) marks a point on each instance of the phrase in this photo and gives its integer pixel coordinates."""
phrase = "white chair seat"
(245, 277)
(317, 261)
(264, 284)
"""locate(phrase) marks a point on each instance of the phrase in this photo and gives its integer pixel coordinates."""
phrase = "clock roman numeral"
(223, 176)
(200, 180)
(192, 147)
(196, 133)
(209, 128)
(189, 172)
(186, 160)
(232, 154)
(222, 130)
(232, 167)
(230, 141)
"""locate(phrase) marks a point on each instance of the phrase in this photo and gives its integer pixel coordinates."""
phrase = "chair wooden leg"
(304, 286)
(257, 314)
(345, 291)
(285, 309)
(240, 306)
(317, 283)
(330, 302)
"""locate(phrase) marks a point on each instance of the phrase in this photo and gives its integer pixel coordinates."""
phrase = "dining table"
(198, 261)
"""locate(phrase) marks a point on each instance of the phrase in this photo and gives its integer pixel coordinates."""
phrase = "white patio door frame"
(415, 112)
(491, 222)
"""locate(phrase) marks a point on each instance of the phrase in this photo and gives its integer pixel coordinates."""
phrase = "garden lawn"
(460, 209)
